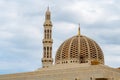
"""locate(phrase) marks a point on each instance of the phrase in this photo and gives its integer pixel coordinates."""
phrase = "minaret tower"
(47, 59)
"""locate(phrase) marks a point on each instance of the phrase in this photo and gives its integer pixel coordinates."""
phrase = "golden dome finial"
(79, 30)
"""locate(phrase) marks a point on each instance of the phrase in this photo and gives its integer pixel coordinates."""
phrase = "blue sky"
(21, 29)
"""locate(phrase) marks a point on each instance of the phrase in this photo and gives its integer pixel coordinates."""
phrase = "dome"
(79, 49)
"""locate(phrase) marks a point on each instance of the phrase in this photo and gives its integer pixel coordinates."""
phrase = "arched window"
(82, 59)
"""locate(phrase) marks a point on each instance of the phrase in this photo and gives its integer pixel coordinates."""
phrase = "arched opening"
(82, 59)
(101, 79)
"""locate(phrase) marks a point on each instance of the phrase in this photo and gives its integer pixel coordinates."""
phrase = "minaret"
(47, 59)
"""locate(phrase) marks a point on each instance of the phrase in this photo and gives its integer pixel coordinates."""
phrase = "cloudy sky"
(21, 29)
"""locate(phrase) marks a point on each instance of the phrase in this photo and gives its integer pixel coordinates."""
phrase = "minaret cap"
(47, 14)
(79, 30)
(48, 11)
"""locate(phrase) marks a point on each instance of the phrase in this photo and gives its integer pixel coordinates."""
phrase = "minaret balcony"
(48, 23)
(47, 40)
(47, 60)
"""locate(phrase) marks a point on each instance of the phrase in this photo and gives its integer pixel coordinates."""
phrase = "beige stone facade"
(68, 72)
(78, 58)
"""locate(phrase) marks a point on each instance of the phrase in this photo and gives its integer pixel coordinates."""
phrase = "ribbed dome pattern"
(79, 49)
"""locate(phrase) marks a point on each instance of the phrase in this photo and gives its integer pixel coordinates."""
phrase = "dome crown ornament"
(79, 30)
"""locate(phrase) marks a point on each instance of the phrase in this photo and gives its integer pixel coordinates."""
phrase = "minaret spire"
(47, 59)
(79, 30)
(48, 15)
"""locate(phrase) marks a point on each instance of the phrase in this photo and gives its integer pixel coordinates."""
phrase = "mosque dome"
(79, 49)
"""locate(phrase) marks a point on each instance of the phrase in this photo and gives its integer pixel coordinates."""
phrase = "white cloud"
(88, 11)
(114, 17)
(6, 35)
(22, 65)
(112, 49)
(113, 61)
(92, 12)
(64, 27)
